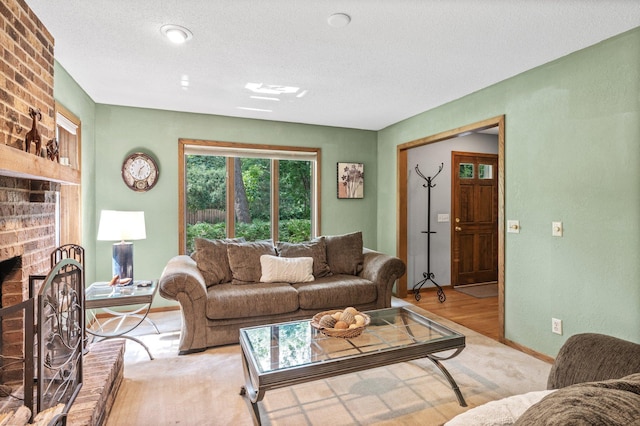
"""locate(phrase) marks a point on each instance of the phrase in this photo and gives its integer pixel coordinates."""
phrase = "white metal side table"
(136, 300)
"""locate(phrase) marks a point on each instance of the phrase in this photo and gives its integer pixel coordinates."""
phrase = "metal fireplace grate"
(52, 356)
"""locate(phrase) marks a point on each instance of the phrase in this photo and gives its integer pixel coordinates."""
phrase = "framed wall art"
(350, 180)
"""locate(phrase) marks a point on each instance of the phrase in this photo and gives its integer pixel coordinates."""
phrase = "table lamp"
(120, 226)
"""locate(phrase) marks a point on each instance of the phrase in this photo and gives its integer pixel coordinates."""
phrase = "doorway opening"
(404, 194)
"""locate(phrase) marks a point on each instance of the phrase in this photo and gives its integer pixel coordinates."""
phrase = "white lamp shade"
(121, 225)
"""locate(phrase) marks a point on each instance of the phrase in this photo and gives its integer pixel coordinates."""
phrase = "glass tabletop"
(296, 344)
(102, 291)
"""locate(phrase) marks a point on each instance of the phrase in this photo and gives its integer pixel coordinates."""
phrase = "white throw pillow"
(286, 269)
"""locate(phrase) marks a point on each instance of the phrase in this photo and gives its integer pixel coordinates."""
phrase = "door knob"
(457, 228)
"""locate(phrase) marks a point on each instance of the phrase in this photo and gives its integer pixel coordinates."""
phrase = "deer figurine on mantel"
(33, 136)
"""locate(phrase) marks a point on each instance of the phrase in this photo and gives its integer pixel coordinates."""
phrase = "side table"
(101, 295)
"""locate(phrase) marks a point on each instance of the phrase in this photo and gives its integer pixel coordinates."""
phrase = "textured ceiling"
(395, 59)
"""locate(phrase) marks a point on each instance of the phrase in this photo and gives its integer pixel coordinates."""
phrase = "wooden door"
(474, 199)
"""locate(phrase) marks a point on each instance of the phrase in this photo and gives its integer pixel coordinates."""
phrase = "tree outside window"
(254, 209)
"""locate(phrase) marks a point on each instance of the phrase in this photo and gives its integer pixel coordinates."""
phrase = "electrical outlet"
(556, 229)
(556, 326)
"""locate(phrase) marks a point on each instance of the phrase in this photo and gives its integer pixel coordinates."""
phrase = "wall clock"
(140, 172)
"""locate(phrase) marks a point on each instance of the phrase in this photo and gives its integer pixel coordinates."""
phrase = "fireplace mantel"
(17, 163)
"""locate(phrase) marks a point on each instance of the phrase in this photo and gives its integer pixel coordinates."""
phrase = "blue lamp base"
(123, 260)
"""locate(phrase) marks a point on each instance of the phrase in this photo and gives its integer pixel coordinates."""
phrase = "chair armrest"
(591, 357)
(383, 270)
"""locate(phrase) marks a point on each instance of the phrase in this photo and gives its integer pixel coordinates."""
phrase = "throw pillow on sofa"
(344, 253)
(286, 269)
(244, 260)
(316, 249)
(211, 258)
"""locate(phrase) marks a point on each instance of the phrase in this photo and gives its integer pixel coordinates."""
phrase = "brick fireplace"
(30, 192)
(27, 206)
(27, 229)
(26, 67)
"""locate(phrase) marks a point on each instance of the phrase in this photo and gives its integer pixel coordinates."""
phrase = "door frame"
(402, 201)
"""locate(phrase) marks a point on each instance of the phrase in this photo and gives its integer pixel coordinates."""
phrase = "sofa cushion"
(244, 260)
(344, 253)
(286, 269)
(336, 291)
(227, 301)
(316, 248)
(211, 258)
(608, 402)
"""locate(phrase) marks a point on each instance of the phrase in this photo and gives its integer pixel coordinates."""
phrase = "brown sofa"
(594, 380)
(219, 287)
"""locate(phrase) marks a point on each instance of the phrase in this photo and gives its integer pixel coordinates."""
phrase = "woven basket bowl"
(337, 332)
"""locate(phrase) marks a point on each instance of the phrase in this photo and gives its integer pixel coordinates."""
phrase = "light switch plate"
(443, 217)
(513, 226)
(556, 229)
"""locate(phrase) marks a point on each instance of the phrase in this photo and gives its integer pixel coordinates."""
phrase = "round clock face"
(139, 172)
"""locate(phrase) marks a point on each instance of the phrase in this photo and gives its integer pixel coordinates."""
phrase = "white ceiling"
(395, 59)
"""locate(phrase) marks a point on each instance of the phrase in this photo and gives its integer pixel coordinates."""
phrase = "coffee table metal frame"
(413, 336)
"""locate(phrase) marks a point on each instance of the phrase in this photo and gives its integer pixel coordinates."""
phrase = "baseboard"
(165, 308)
(529, 351)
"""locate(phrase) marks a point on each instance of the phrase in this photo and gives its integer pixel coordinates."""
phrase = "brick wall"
(27, 228)
(26, 74)
(27, 207)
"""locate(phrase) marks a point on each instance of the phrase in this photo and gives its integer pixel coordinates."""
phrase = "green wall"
(572, 152)
(122, 130)
(68, 93)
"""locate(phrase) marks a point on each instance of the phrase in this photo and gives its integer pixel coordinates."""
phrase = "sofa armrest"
(383, 270)
(181, 275)
(181, 280)
(591, 357)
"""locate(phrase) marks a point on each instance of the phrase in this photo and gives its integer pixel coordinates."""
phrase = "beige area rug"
(203, 388)
(480, 291)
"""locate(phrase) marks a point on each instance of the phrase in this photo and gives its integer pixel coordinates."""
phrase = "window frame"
(272, 152)
(69, 200)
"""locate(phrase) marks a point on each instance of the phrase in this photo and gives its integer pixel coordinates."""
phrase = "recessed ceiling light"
(176, 34)
(339, 20)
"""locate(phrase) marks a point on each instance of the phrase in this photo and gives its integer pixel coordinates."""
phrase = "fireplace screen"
(17, 369)
(60, 335)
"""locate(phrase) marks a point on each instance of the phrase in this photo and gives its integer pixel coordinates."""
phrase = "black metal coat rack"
(428, 276)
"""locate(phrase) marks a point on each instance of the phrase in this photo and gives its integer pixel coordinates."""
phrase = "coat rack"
(428, 276)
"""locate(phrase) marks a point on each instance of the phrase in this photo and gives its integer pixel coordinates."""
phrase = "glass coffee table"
(285, 354)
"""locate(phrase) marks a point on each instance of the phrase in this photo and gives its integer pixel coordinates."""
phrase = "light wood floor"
(479, 315)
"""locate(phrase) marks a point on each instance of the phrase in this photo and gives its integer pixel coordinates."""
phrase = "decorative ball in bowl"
(345, 323)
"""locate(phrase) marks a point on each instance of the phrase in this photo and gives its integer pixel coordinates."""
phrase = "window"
(68, 135)
(242, 190)
(466, 171)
